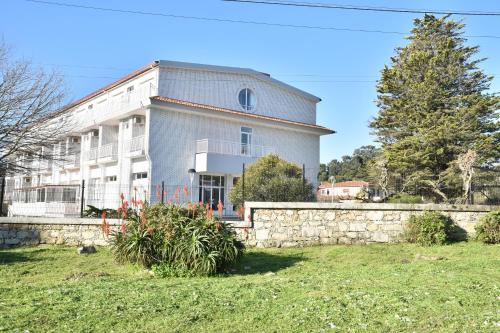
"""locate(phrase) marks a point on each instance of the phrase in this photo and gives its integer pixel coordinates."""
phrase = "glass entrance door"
(211, 190)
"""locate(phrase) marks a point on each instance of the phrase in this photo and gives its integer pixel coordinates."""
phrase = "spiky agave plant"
(183, 239)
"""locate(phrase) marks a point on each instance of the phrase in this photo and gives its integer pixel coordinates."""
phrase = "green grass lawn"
(373, 288)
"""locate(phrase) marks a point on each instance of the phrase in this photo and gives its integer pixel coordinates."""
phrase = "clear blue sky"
(92, 47)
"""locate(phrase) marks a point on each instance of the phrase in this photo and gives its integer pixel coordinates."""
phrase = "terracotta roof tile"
(349, 183)
(239, 113)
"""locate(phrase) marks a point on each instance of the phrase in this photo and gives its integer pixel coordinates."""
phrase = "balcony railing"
(135, 145)
(72, 161)
(44, 165)
(108, 151)
(90, 155)
(232, 148)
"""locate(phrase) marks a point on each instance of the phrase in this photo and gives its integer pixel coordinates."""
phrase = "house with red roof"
(347, 190)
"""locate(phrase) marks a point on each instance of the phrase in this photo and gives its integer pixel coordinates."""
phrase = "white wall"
(221, 89)
(173, 135)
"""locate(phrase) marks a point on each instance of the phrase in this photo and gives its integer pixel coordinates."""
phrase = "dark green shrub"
(405, 198)
(272, 179)
(177, 239)
(488, 228)
(430, 228)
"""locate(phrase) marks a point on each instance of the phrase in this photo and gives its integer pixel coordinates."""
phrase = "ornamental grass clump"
(177, 240)
(488, 228)
(430, 228)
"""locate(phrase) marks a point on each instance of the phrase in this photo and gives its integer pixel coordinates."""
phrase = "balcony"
(108, 153)
(71, 161)
(220, 156)
(45, 166)
(116, 106)
(135, 146)
(223, 147)
(90, 156)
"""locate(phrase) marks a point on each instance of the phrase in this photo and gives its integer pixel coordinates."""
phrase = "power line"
(214, 19)
(367, 8)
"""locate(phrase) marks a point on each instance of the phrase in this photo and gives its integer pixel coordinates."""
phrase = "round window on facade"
(246, 97)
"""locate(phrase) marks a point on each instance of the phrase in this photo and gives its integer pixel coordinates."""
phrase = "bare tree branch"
(30, 128)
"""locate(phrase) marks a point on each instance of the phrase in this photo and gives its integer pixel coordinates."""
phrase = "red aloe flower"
(123, 228)
(186, 192)
(220, 206)
(158, 192)
(210, 213)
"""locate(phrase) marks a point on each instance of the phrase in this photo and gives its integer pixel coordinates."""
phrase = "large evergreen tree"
(434, 107)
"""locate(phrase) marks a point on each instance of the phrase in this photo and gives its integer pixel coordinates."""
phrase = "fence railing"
(72, 161)
(232, 148)
(109, 150)
(90, 155)
(135, 144)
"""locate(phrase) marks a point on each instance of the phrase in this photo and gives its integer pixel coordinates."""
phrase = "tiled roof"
(239, 113)
(349, 183)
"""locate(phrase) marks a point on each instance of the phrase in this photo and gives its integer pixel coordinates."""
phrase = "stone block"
(357, 226)
(310, 232)
(262, 234)
(352, 234)
(380, 237)
(374, 215)
(330, 216)
(12, 241)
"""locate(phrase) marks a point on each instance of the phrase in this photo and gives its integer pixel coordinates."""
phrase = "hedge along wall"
(16, 231)
(276, 224)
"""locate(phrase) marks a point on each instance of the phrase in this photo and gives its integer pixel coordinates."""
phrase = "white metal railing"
(44, 164)
(232, 148)
(72, 160)
(108, 150)
(116, 106)
(90, 155)
(135, 144)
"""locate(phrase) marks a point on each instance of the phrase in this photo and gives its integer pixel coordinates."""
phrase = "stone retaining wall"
(15, 231)
(267, 224)
(295, 224)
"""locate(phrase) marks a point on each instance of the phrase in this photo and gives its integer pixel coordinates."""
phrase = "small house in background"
(348, 190)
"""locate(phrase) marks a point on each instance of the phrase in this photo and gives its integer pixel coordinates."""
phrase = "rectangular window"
(40, 195)
(111, 179)
(211, 190)
(140, 175)
(246, 141)
(69, 195)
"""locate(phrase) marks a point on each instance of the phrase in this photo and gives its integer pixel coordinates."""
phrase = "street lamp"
(191, 173)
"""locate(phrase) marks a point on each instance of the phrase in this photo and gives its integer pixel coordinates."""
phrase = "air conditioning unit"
(94, 133)
(137, 120)
(74, 140)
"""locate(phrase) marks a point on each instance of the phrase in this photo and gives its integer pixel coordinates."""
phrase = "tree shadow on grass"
(262, 262)
(9, 257)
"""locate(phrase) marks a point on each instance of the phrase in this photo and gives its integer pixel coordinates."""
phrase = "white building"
(347, 190)
(152, 126)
